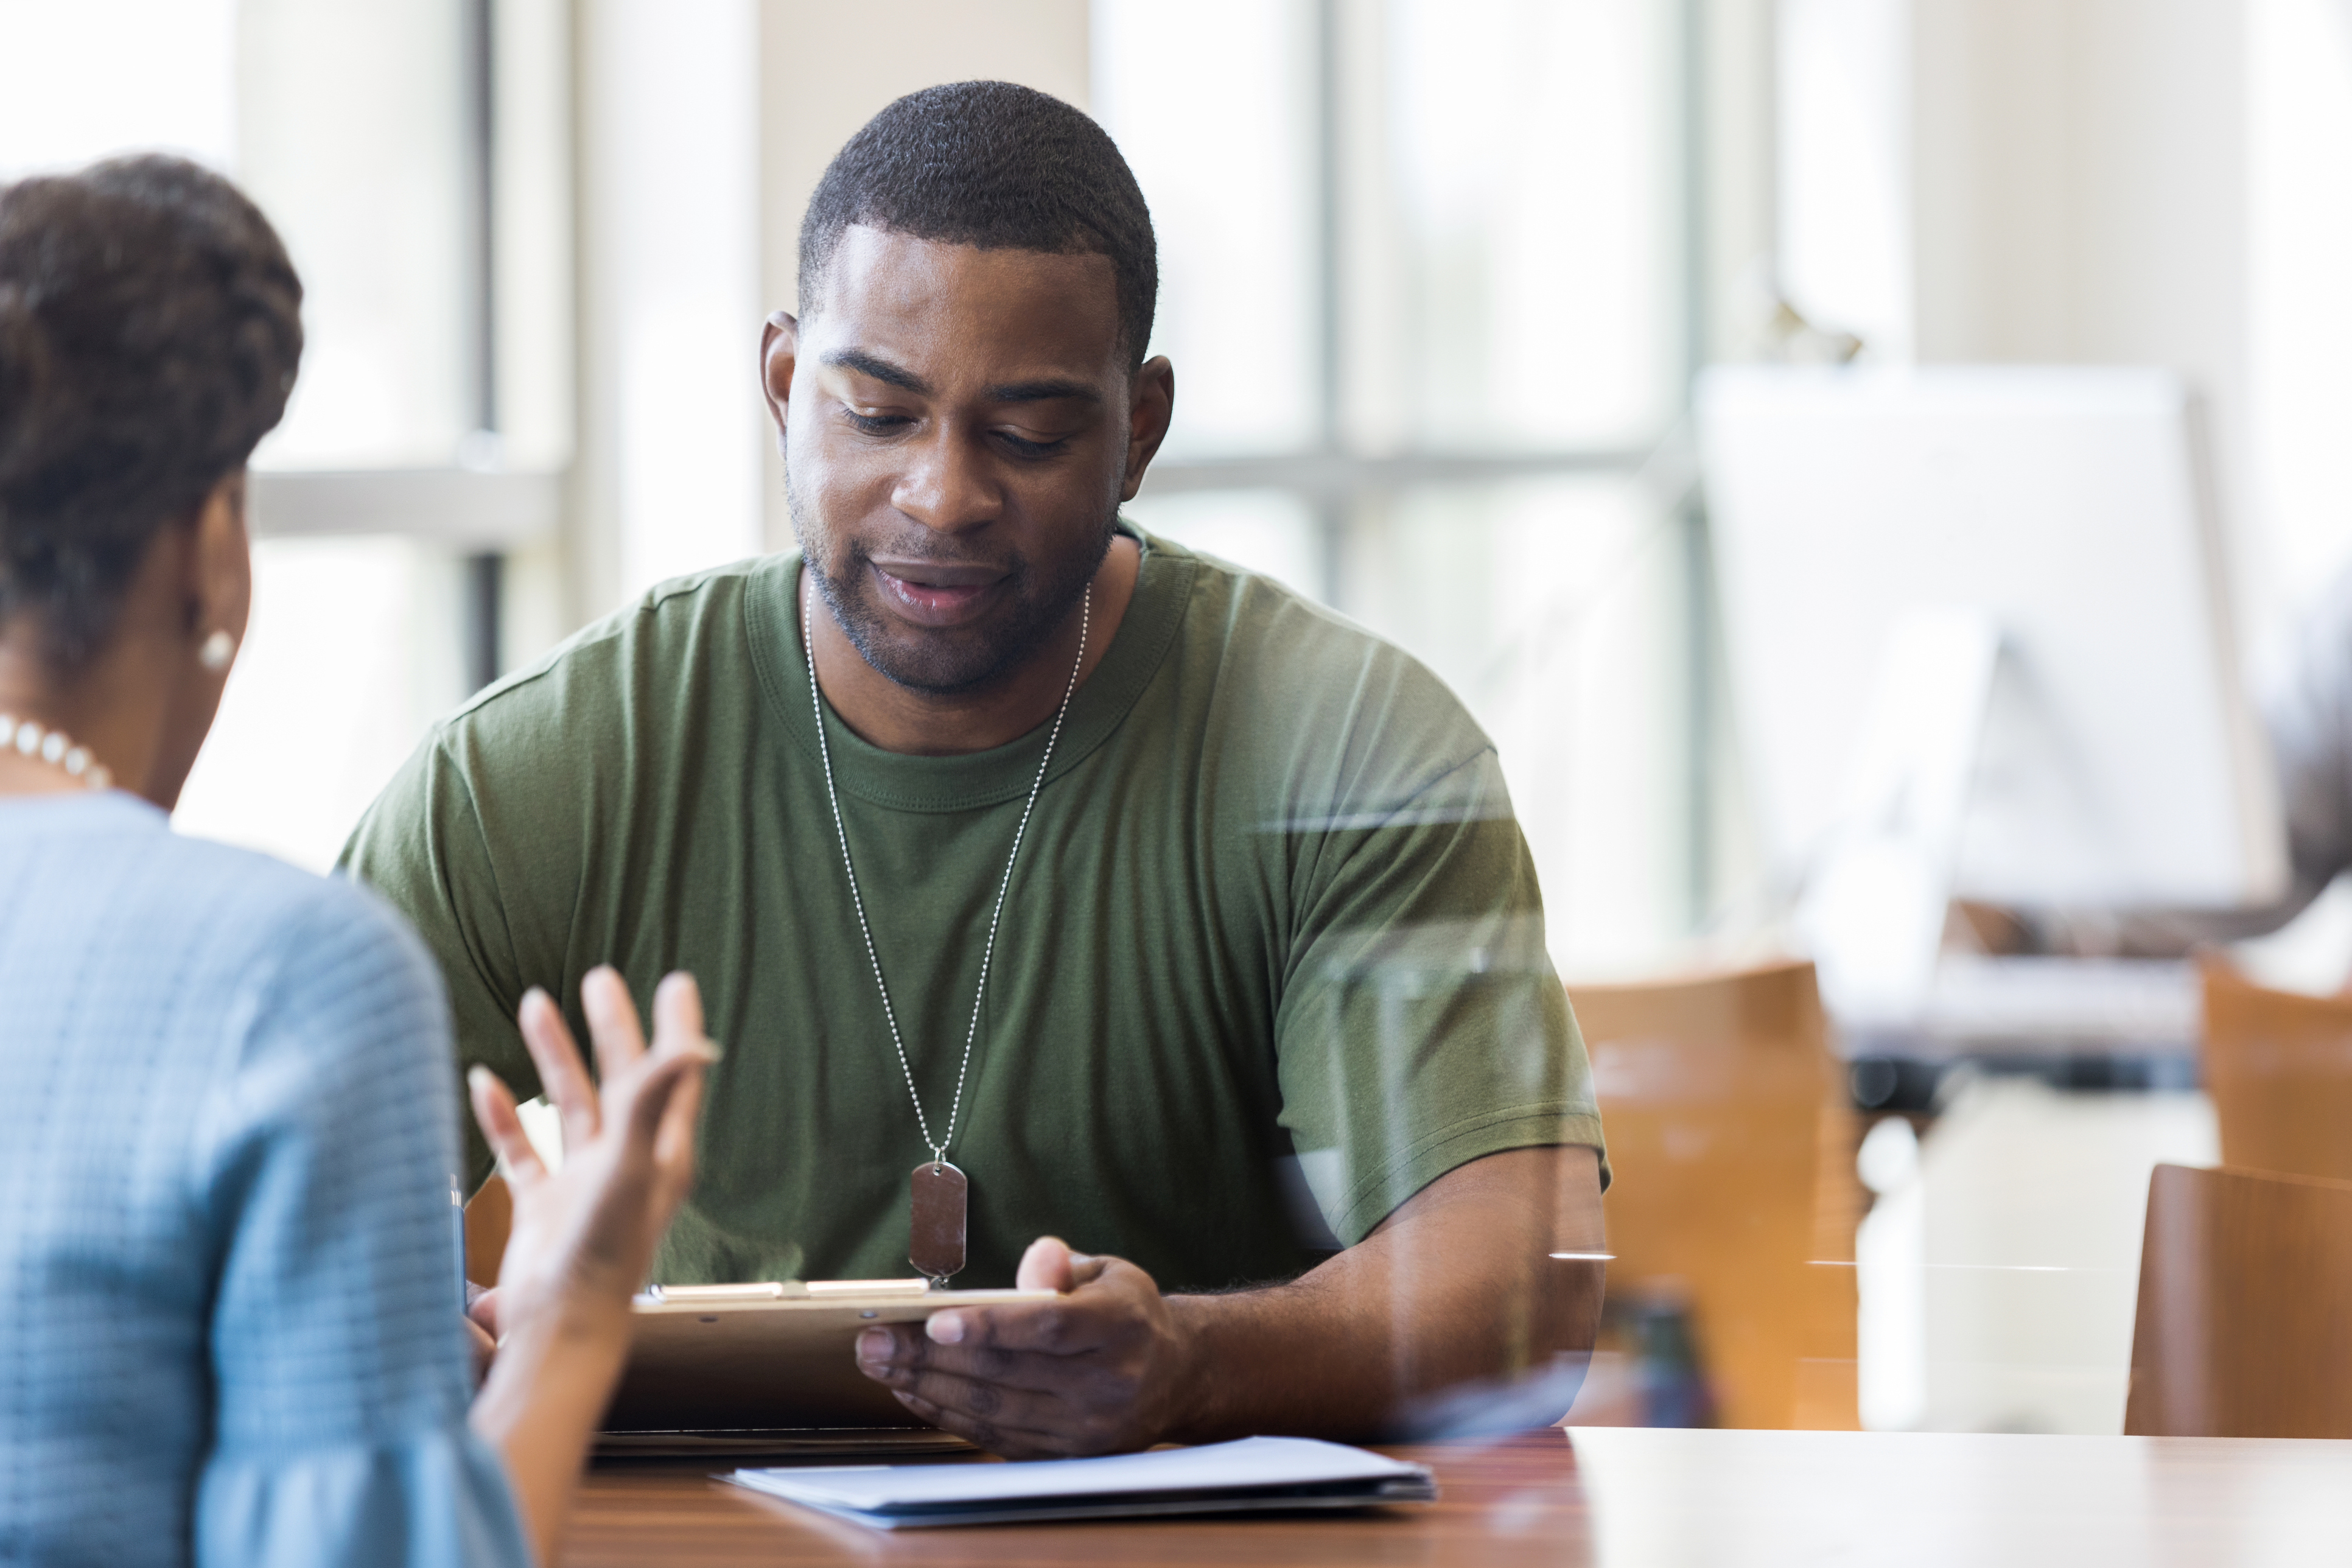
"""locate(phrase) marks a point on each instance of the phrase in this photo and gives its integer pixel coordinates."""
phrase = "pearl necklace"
(56, 748)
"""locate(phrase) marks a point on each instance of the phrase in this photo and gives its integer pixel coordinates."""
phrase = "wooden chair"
(490, 1216)
(2245, 1288)
(2279, 1067)
(1732, 1143)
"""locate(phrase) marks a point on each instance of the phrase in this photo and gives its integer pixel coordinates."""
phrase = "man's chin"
(949, 661)
(930, 661)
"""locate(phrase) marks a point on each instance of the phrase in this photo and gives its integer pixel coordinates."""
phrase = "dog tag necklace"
(938, 1191)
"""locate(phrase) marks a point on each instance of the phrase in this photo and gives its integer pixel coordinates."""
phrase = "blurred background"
(1510, 329)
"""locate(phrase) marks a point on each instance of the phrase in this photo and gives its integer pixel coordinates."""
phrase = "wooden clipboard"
(777, 1358)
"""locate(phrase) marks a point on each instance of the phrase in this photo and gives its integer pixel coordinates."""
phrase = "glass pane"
(71, 92)
(1512, 245)
(346, 123)
(671, 175)
(1844, 178)
(352, 135)
(1212, 104)
(352, 652)
(2299, 245)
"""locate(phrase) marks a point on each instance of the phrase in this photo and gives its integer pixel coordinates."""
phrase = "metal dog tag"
(936, 1248)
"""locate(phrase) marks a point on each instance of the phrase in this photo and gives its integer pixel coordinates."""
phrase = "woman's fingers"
(677, 1011)
(629, 1140)
(613, 1028)
(562, 1077)
(673, 1139)
(663, 1112)
(678, 1025)
(483, 1307)
(652, 1087)
(494, 1111)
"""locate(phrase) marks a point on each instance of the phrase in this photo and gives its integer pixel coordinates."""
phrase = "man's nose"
(950, 485)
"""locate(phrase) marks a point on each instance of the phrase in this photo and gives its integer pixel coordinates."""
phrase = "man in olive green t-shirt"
(1266, 1033)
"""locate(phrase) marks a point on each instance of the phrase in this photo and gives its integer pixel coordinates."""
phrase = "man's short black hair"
(150, 326)
(991, 165)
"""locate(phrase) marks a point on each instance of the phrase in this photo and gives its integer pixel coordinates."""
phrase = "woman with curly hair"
(230, 1299)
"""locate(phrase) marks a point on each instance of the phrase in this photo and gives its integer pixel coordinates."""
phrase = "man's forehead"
(883, 289)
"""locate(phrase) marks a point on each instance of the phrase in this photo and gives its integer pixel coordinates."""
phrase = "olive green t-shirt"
(1271, 956)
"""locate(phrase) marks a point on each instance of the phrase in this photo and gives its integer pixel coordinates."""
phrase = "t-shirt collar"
(1163, 586)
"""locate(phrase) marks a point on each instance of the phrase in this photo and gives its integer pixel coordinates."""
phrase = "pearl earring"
(218, 650)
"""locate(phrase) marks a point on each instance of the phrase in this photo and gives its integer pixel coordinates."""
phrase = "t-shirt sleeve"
(421, 846)
(1421, 1023)
(340, 1388)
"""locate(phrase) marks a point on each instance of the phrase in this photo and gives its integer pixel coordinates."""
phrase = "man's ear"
(779, 349)
(1151, 404)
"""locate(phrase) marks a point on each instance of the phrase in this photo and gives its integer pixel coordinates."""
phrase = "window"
(1424, 275)
(1423, 278)
(434, 402)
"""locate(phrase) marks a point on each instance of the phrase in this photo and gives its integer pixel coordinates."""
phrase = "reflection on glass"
(1646, 1369)
(1554, 608)
(1714, 1095)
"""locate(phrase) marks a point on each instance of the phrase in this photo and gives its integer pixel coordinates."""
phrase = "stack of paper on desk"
(1220, 1478)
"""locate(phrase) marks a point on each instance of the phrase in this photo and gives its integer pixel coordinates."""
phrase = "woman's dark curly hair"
(150, 326)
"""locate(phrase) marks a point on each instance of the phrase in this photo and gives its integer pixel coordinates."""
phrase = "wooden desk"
(1626, 1497)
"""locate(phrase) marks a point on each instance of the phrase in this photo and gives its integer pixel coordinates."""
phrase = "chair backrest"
(1732, 1149)
(2245, 1295)
(2279, 1067)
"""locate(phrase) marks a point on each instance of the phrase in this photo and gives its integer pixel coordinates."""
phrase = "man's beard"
(1038, 599)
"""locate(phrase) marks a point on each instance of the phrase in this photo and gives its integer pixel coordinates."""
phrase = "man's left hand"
(1103, 1369)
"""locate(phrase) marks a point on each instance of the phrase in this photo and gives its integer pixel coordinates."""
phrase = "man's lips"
(936, 574)
(933, 593)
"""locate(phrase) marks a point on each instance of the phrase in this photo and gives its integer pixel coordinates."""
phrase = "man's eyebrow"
(881, 370)
(1043, 391)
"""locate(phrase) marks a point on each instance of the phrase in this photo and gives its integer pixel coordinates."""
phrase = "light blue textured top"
(228, 1288)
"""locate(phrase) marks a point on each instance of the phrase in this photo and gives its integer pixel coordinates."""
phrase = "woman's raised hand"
(583, 1236)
